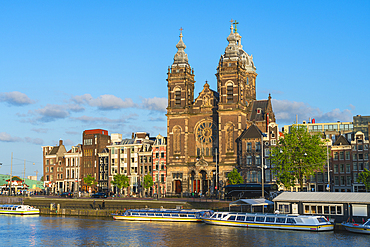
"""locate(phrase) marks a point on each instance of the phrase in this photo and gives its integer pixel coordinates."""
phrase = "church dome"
(181, 58)
(234, 51)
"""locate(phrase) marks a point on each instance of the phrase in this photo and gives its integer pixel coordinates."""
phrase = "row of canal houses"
(103, 156)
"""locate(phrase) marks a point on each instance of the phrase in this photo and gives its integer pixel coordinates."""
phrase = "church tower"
(236, 85)
(180, 82)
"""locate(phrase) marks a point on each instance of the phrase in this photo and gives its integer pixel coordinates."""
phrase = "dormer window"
(258, 110)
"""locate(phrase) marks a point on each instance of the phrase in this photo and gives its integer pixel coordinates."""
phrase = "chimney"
(60, 142)
(133, 135)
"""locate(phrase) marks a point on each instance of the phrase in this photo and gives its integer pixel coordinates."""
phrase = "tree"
(234, 177)
(297, 156)
(364, 177)
(89, 180)
(42, 178)
(121, 181)
(148, 181)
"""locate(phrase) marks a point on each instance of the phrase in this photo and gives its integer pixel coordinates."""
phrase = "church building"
(202, 133)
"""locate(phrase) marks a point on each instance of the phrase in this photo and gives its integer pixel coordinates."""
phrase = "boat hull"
(31, 212)
(316, 228)
(356, 228)
(168, 219)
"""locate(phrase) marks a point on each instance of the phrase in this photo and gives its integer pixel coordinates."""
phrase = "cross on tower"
(181, 29)
(235, 29)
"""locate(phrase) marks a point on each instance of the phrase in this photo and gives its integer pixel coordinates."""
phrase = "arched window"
(176, 140)
(230, 138)
(230, 92)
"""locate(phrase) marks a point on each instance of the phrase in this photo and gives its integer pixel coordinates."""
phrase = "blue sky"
(68, 66)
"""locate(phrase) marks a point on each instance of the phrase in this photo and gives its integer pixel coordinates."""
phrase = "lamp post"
(216, 174)
(327, 163)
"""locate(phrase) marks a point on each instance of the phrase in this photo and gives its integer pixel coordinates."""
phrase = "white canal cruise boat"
(179, 215)
(359, 228)
(271, 221)
(18, 209)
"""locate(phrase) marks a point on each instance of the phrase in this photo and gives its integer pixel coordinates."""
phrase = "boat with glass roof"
(358, 228)
(173, 215)
(18, 209)
(270, 221)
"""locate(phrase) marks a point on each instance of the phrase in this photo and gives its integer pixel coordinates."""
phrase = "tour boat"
(270, 221)
(359, 228)
(18, 209)
(179, 215)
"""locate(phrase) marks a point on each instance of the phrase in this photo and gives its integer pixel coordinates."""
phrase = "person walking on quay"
(94, 204)
(103, 204)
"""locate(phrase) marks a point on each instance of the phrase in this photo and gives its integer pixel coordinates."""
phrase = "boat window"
(339, 210)
(367, 223)
(332, 210)
(326, 209)
(223, 216)
(280, 220)
(143, 214)
(290, 220)
(167, 214)
(135, 214)
(175, 215)
(158, 215)
(150, 214)
(191, 215)
(232, 217)
(321, 220)
(260, 219)
(306, 209)
(183, 215)
(270, 219)
(313, 209)
(299, 220)
(319, 209)
(240, 218)
(249, 218)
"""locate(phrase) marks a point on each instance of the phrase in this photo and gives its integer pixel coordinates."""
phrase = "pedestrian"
(103, 204)
(94, 204)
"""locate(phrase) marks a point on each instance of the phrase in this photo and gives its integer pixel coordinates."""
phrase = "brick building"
(202, 132)
(54, 164)
(159, 165)
(93, 142)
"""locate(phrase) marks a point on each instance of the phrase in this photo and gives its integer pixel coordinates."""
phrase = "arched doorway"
(178, 186)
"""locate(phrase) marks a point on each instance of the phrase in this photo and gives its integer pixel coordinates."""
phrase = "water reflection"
(77, 231)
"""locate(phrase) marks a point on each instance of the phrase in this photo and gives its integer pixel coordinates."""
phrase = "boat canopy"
(251, 202)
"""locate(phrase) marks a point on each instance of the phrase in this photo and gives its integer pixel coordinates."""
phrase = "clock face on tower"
(206, 132)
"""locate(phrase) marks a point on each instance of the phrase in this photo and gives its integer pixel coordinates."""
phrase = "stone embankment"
(105, 207)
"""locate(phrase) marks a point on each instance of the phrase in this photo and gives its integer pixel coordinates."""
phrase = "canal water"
(77, 231)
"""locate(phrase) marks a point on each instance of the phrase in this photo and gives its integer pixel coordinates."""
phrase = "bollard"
(51, 206)
(58, 207)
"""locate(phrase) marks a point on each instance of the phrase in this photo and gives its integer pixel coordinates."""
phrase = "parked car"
(66, 194)
(99, 195)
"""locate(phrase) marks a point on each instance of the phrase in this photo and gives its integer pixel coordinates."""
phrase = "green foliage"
(148, 181)
(42, 179)
(89, 180)
(298, 155)
(364, 177)
(234, 177)
(121, 181)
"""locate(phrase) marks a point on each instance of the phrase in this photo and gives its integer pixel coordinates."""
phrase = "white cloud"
(15, 98)
(52, 112)
(40, 130)
(36, 141)
(155, 104)
(104, 102)
(286, 111)
(76, 108)
(5, 137)
(87, 119)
